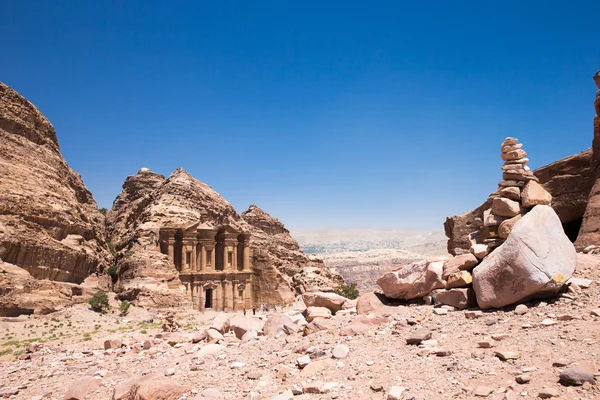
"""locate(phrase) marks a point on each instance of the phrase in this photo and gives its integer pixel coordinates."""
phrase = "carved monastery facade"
(214, 264)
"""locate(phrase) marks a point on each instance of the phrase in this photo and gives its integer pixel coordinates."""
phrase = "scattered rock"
(576, 376)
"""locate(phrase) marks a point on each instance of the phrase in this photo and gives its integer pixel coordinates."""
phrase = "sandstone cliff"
(49, 223)
(149, 201)
(589, 234)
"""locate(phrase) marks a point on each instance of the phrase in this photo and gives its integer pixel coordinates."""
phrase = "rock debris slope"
(149, 201)
(49, 222)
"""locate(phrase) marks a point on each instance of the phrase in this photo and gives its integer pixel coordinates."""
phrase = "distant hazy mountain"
(364, 254)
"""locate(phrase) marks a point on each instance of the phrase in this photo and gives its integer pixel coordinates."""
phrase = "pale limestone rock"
(480, 251)
(396, 393)
(340, 351)
(509, 141)
(533, 194)
(535, 261)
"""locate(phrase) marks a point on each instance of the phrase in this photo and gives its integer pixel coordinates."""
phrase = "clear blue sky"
(324, 113)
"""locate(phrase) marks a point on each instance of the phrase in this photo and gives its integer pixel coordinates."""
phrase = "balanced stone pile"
(520, 253)
(517, 193)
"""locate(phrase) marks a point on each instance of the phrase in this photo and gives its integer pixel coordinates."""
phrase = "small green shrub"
(99, 302)
(348, 291)
(124, 306)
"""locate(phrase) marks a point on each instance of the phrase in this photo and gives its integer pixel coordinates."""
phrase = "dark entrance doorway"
(208, 298)
(572, 228)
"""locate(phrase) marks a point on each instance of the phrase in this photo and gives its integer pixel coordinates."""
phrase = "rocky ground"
(64, 354)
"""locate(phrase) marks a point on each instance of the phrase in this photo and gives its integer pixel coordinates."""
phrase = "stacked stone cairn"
(447, 280)
(517, 193)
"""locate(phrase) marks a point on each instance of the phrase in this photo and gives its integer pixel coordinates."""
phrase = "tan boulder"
(505, 207)
(275, 324)
(412, 281)
(334, 302)
(511, 192)
(464, 262)
(241, 324)
(317, 312)
(506, 226)
(533, 194)
(370, 303)
(535, 261)
(460, 298)
(459, 279)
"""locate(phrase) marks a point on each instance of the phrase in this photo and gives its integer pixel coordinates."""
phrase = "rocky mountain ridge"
(49, 222)
(149, 201)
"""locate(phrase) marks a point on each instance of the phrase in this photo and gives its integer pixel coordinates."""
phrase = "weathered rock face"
(49, 223)
(149, 202)
(589, 234)
(569, 181)
(459, 228)
(535, 261)
(20, 293)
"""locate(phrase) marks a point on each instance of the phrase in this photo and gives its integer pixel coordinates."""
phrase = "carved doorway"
(208, 298)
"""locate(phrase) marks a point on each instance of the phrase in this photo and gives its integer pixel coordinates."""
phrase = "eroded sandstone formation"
(49, 222)
(149, 201)
(589, 234)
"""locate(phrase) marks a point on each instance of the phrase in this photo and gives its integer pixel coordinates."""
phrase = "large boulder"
(334, 302)
(241, 324)
(569, 181)
(413, 281)
(275, 324)
(535, 261)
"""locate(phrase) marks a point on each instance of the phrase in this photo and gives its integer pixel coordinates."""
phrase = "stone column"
(202, 258)
(246, 257)
(234, 263)
(201, 298)
(183, 254)
(171, 242)
(235, 295)
(226, 295)
(193, 257)
(213, 258)
(218, 293)
(225, 260)
(248, 294)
